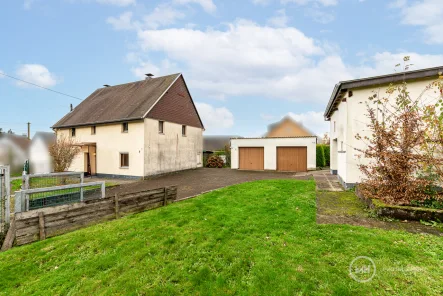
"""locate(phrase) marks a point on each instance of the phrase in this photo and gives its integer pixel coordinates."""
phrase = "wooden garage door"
(293, 159)
(251, 158)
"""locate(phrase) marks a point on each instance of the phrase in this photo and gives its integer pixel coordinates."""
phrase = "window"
(341, 145)
(93, 128)
(160, 127)
(124, 160)
(73, 132)
(334, 126)
(125, 127)
(350, 93)
(183, 130)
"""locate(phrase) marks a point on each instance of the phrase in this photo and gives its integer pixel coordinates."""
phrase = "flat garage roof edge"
(270, 138)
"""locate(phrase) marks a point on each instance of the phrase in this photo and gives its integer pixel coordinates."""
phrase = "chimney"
(29, 131)
(106, 85)
(71, 107)
(149, 76)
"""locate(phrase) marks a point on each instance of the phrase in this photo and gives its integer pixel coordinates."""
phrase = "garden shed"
(291, 154)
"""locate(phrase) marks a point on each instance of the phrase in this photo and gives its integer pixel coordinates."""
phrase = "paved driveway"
(194, 182)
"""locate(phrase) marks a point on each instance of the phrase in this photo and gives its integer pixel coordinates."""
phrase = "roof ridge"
(138, 81)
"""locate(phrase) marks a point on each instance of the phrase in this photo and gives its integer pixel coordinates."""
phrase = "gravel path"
(194, 182)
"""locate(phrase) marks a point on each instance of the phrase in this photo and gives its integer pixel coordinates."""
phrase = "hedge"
(327, 151)
(321, 162)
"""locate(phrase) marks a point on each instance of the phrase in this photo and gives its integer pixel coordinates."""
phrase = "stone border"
(401, 212)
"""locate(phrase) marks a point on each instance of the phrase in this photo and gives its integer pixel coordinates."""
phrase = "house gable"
(177, 106)
(287, 128)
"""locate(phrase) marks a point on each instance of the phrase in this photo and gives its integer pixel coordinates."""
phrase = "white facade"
(350, 119)
(270, 149)
(149, 152)
(39, 159)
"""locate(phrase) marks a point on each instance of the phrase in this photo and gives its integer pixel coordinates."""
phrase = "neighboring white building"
(347, 111)
(136, 129)
(14, 151)
(39, 159)
(296, 154)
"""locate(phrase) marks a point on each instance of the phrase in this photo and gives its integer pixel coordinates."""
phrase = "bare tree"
(63, 152)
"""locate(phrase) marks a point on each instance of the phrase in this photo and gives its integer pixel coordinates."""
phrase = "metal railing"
(33, 181)
(5, 193)
(30, 199)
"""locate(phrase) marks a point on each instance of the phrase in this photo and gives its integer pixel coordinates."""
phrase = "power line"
(60, 93)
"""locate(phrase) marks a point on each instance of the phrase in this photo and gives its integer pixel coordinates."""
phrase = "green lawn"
(249, 239)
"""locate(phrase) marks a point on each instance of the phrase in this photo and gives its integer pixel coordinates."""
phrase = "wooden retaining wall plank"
(42, 223)
(10, 236)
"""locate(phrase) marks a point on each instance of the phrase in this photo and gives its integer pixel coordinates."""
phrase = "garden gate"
(5, 192)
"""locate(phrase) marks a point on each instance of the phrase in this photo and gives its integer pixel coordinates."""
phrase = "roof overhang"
(341, 87)
(98, 123)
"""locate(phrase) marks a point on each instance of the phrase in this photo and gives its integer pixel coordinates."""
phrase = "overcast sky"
(247, 63)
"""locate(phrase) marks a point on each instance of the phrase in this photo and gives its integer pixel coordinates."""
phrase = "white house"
(346, 112)
(136, 129)
(14, 151)
(39, 158)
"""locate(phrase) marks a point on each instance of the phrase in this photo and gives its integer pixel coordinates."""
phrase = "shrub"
(405, 135)
(228, 155)
(327, 152)
(214, 161)
(63, 152)
(321, 163)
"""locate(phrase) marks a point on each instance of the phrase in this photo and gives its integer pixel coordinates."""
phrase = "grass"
(248, 239)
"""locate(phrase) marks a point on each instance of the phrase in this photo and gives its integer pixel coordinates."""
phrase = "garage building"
(290, 154)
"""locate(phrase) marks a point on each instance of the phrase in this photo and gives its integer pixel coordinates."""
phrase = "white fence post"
(103, 189)
(8, 194)
(81, 188)
(18, 202)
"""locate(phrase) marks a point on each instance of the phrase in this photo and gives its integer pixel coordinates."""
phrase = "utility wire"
(60, 93)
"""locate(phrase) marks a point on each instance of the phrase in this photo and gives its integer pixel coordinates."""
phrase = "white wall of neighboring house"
(12, 155)
(150, 152)
(171, 151)
(351, 120)
(270, 149)
(110, 142)
(39, 158)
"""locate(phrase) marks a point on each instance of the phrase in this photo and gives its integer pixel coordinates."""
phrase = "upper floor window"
(183, 130)
(334, 126)
(73, 132)
(160, 127)
(125, 127)
(93, 130)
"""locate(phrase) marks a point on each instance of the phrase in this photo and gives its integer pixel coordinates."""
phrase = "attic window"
(125, 127)
(183, 130)
(93, 130)
(73, 132)
(350, 93)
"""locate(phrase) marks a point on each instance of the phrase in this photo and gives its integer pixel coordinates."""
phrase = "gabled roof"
(377, 80)
(215, 143)
(21, 142)
(124, 102)
(274, 125)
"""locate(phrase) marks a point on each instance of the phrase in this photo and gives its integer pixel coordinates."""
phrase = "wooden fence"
(40, 224)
